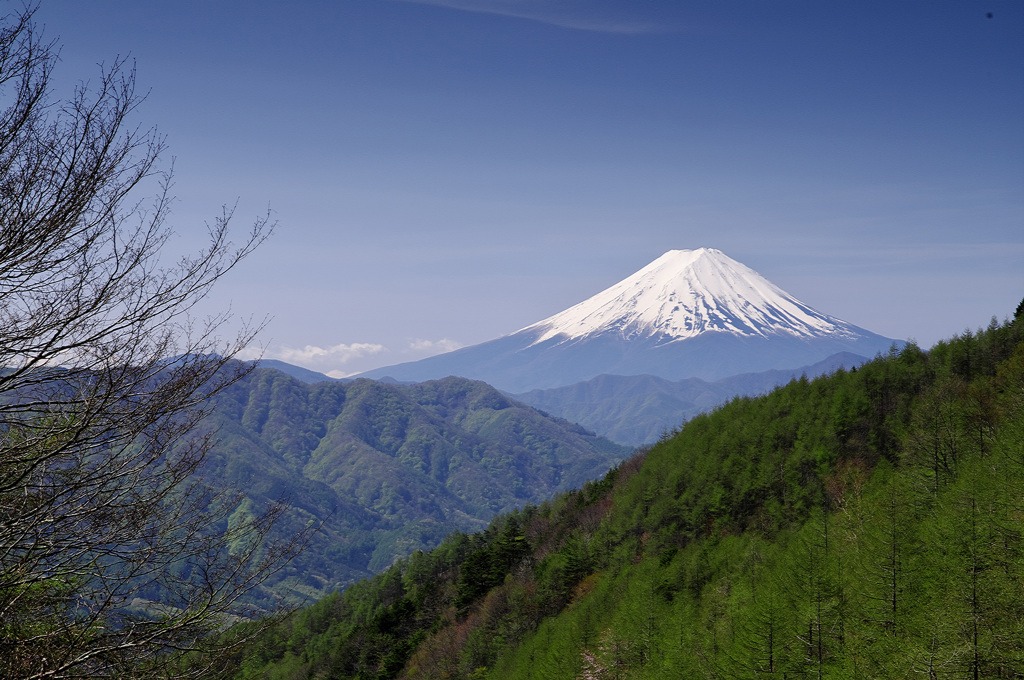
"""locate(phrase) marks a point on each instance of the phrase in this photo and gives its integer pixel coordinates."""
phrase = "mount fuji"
(688, 314)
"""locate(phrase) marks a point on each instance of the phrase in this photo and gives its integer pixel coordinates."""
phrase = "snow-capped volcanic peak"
(685, 293)
(688, 314)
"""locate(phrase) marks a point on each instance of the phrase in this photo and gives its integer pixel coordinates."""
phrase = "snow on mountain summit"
(688, 314)
(685, 293)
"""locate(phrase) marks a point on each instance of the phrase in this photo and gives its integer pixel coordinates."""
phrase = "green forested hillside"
(869, 524)
(385, 469)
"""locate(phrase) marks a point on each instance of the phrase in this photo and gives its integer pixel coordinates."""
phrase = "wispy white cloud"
(327, 360)
(346, 359)
(337, 354)
(573, 15)
(251, 353)
(428, 347)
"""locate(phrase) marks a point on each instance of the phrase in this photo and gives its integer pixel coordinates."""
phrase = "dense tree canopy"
(864, 524)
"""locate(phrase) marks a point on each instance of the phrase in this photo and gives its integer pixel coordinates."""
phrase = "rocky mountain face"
(688, 314)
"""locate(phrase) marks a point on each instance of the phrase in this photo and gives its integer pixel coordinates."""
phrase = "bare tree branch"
(115, 558)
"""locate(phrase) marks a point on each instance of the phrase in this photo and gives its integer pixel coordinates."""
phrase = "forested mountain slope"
(385, 469)
(865, 524)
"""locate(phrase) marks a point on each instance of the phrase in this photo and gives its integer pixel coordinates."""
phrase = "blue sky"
(448, 171)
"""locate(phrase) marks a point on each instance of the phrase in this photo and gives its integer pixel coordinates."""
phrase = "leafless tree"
(116, 560)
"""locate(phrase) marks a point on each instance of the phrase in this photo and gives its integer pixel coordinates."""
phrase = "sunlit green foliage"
(867, 524)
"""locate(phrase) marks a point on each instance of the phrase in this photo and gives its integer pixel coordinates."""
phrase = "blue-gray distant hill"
(303, 374)
(640, 409)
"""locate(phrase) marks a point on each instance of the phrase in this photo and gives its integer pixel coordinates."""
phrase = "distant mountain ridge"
(304, 374)
(688, 314)
(640, 409)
